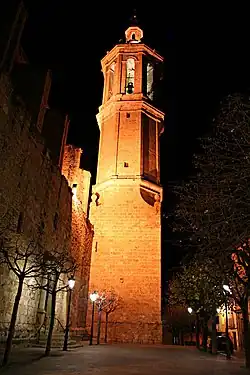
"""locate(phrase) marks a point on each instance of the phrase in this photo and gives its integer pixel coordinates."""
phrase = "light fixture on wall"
(74, 187)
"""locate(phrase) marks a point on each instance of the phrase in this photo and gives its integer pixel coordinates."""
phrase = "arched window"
(130, 77)
(150, 78)
(111, 79)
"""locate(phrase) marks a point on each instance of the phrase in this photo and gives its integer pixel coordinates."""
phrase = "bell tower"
(126, 199)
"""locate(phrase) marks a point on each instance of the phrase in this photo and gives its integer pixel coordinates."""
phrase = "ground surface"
(123, 360)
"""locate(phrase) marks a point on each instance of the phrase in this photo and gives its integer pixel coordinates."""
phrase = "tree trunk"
(246, 334)
(191, 335)
(99, 326)
(11, 330)
(182, 337)
(214, 335)
(197, 331)
(52, 321)
(204, 335)
(106, 328)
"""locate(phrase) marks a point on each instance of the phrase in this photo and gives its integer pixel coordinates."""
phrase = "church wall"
(82, 233)
(30, 186)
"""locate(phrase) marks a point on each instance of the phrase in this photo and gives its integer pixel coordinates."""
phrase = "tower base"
(126, 259)
(128, 332)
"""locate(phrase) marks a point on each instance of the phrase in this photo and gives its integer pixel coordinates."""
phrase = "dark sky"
(206, 57)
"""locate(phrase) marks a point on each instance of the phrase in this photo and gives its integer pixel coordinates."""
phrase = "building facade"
(126, 200)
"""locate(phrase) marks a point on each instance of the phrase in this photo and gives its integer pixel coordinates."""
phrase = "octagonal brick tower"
(126, 200)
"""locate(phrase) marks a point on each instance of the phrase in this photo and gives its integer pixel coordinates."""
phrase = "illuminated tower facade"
(126, 200)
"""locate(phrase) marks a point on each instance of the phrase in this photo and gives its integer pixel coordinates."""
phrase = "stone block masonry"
(82, 232)
(125, 209)
(36, 200)
(126, 257)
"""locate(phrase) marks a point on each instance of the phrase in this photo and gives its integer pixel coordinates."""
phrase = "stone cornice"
(129, 48)
(136, 181)
(114, 106)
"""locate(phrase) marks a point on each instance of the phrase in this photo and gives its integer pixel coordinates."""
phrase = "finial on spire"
(134, 19)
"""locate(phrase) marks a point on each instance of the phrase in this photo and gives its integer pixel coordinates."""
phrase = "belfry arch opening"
(130, 76)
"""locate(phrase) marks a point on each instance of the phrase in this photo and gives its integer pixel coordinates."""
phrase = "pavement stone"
(123, 360)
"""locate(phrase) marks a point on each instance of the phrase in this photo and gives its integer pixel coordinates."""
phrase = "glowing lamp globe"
(71, 283)
(226, 288)
(93, 296)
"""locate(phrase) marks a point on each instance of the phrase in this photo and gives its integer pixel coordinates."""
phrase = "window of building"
(20, 223)
(56, 217)
(74, 187)
(150, 76)
(41, 227)
(130, 76)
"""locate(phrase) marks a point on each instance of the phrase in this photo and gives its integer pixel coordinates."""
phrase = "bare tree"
(24, 260)
(60, 265)
(108, 302)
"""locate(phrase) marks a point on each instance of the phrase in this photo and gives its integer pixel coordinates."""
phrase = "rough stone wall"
(126, 257)
(82, 233)
(32, 186)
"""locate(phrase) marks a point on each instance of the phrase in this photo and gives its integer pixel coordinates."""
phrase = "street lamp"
(93, 297)
(227, 292)
(190, 310)
(71, 284)
(227, 289)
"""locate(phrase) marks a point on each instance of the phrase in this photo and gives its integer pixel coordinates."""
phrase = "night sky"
(206, 57)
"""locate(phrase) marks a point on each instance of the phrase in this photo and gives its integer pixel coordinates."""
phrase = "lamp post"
(190, 310)
(93, 297)
(197, 326)
(227, 292)
(71, 284)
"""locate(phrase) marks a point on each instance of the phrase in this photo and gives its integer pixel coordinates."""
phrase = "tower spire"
(134, 33)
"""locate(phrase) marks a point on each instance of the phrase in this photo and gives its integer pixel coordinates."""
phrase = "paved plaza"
(123, 360)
